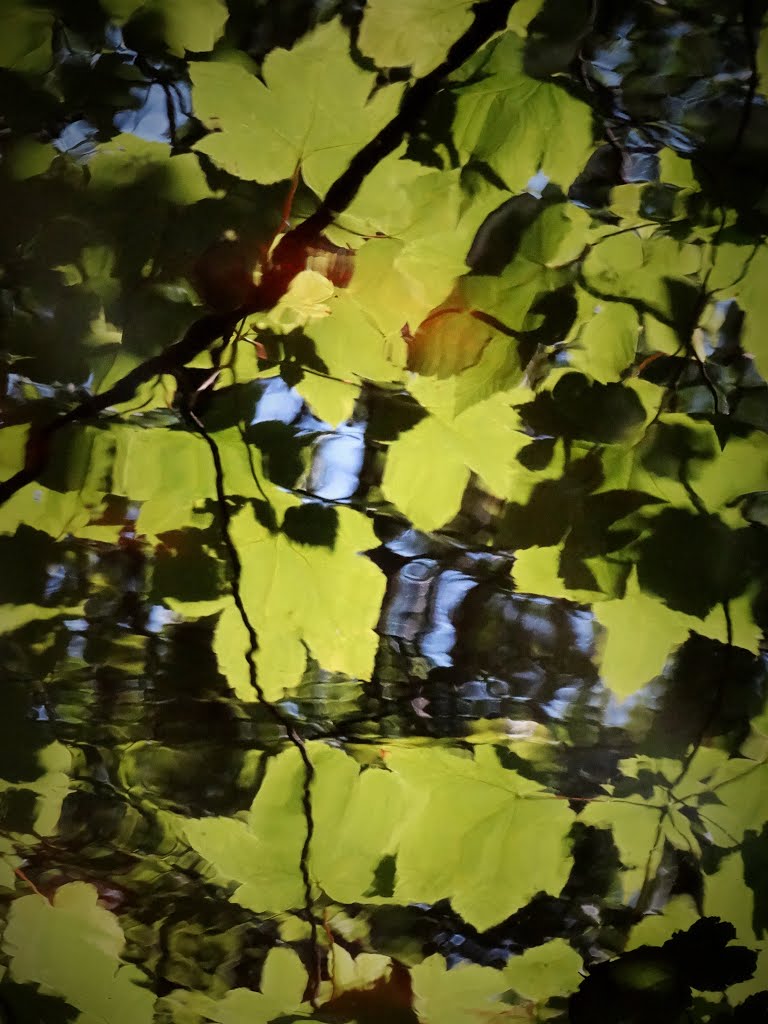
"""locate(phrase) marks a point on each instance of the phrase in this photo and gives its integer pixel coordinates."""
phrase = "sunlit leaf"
(302, 598)
(484, 438)
(314, 110)
(469, 826)
(624, 266)
(455, 996)
(126, 159)
(263, 854)
(194, 26)
(654, 929)
(604, 339)
(500, 110)
(741, 788)
(752, 297)
(558, 236)
(656, 630)
(283, 980)
(542, 972)
(349, 841)
(412, 34)
(72, 947)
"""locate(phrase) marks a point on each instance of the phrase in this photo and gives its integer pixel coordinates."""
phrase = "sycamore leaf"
(467, 836)
(362, 972)
(557, 237)
(127, 159)
(415, 33)
(312, 109)
(458, 827)
(762, 58)
(484, 438)
(500, 111)
(604, 338)
(72, 947)
(350, 345)
(194, 25)
(25, 37)
(430, 503)
(625, 266)
(306, 299)
(349, 840)
(751, 292)
(542, 972)
(639, 828)
(8, 863)
(656, 631)
(467, 992)
(28, 158)
(263, 854)
(301, 598)
(727, 896)
(723, 796)
(741, 788)
(283, 981)
(654, 929)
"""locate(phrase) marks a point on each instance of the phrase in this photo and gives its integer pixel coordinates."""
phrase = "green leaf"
(497, 370)
(656, 631)
(332, 401)
(431, 504)
(625, 266)
(752, 299)
(348, 842)
(762, 58)
(194, 25)
(283, 981)
(654, 929)
(542, 972)
(500, 112)
(126, 160)
(28, 158)
(557, 237)
(167, 471)
(263, 854)
(727, 896)
(412, 33)
(312, 109)
(301, 598)
(358, 974)
(639, 828)
(468, 835)
(25, 37)
(537, 571)
(350, 346)
(466, 992)
(603, 341)
(740, 468)
(357, 816)
(741, 788)
(72, 947)
(484, 438)
(398, 283)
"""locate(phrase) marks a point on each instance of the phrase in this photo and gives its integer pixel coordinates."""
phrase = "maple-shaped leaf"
(314, 107)
(500, 111)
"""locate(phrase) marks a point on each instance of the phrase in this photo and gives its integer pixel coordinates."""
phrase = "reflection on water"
(388, 707)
